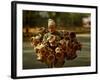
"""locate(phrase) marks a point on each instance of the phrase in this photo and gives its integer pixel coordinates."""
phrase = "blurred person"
(52, 31)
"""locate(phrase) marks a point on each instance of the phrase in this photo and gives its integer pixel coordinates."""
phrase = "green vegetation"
(63, 19)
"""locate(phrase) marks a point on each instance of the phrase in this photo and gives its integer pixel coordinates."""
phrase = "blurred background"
(69, 21)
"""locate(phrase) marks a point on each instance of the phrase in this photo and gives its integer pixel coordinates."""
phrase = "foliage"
(63, 19)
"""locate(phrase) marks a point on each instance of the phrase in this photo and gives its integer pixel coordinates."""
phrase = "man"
(51, 31)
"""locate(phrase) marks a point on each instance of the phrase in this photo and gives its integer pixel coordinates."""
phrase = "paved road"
(83, 59)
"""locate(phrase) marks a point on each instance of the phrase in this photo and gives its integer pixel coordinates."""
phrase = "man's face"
(51, 28)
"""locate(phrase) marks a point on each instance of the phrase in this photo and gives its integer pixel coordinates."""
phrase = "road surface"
(83, 59)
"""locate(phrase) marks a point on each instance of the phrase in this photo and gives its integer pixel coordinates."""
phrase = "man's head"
(51, 26)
